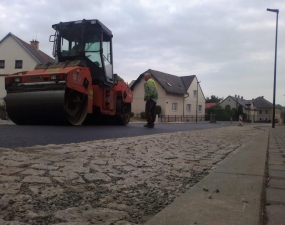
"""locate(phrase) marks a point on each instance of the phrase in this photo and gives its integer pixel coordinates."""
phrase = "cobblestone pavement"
(111, 182)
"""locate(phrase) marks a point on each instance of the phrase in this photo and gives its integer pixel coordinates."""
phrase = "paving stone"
(37, 179)
(73, 223)
(128, 168)
(78, 180)
(275, 214)
(274, 150)
(11, 170)
(99, 161)
(121, 207)
(274, 183)
(10, 199)
(276, 162)
(79, 168)
(276, 174)
(276, 157)
(10, 188)
(66, 174)
(8, 178)
(118, 163)
(122, 222)
(275, 196)
(33, 172)
(12, 163)
(43, 167)
(96, 176)
(46, 191)
(86, 212)
(277, 167)
(3, 222)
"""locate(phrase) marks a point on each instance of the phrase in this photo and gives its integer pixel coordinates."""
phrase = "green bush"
(220, 113)
(2, 105)
(158, 109)
(132, 114)
(143, 115)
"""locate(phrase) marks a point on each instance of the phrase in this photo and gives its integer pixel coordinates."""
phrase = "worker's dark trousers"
(150, 111)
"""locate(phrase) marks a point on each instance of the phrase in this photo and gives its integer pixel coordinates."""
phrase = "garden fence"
(180, 118)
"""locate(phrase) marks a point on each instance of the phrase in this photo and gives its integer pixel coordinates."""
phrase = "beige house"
(265, 110)
(16, 56)
(248, 106)
(258, 109)
(177, 96)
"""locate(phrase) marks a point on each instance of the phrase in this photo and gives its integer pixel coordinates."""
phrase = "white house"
(265, 110)
(16, 56)
(180, 97)
(258, 109)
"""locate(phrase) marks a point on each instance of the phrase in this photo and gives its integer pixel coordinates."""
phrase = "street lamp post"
(197, 99)
(274, 84)
(283, 110)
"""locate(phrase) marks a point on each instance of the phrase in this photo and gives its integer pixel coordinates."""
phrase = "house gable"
(170, 83)
(235, 101)
(36, 54)
(12, 49)
(261, 102)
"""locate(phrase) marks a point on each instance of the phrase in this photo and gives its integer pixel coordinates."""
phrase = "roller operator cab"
(80, 88)
(87, 40)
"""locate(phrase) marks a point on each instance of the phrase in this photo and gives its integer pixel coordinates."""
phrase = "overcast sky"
(228, 44)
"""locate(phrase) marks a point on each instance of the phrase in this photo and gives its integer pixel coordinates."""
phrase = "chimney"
(241, 97)
(35, 43)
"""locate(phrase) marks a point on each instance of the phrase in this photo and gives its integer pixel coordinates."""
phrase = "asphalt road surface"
(13, 136)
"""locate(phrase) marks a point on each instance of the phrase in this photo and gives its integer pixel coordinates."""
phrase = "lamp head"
(273, 10)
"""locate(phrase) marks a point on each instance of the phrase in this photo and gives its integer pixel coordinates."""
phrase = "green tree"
(239, 110)
(213, 99)
(220, 113)
(158, 109)
(120, 79)
(229, 111)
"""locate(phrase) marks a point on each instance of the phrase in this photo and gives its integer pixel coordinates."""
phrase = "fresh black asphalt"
(13, 136)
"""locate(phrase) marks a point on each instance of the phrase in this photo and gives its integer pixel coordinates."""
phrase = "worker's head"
(147, 76)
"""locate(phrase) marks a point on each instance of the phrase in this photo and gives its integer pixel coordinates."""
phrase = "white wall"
(10, 51)
(191, 99)
(229, 101)
(169, 100)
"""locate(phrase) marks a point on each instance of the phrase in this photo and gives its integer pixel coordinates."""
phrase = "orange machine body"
(79, 79)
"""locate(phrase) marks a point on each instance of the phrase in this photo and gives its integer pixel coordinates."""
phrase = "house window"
(200, 108)
(195, 93)
(266, 111)
(174, 106)
(2, 64)
(188, 107)
(260, 111)
(18, 64)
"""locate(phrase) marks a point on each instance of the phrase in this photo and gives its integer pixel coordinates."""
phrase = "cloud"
(229, 45)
